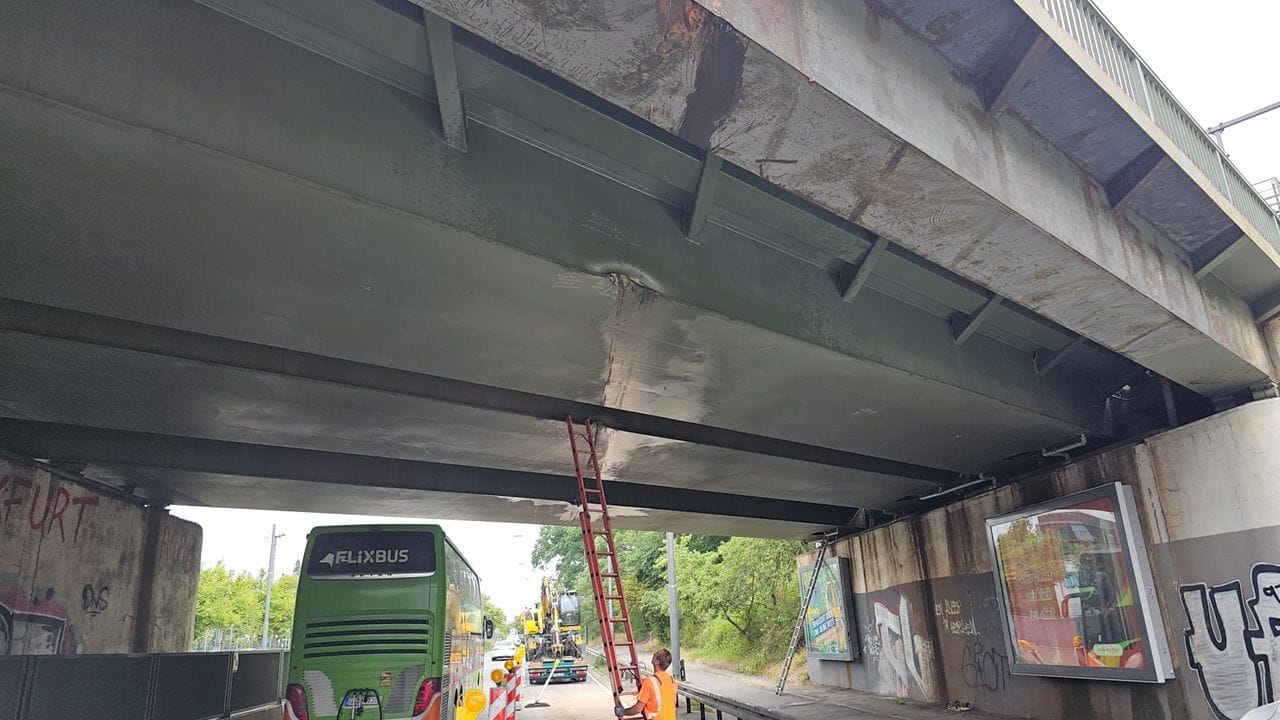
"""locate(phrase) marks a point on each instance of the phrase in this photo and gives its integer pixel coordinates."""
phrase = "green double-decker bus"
(388, 624)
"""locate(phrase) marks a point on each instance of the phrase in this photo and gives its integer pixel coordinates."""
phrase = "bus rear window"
(372, 554)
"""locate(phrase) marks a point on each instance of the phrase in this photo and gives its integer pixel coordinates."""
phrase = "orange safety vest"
(659, 696)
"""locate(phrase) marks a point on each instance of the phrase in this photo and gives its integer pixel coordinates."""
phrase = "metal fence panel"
(190, 686)
(89, 687)
(13, 673)
(256, 680)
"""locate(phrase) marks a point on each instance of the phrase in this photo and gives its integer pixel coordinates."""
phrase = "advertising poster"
(829, 619)
(1073, 604)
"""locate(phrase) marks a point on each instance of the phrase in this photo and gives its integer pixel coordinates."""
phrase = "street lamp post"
(271, 571)
(672, 602)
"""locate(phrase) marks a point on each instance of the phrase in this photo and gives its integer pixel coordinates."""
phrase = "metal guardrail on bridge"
(706, 700)
(1096, 35)
(722, 706)
(161, 686)
(1269, 190)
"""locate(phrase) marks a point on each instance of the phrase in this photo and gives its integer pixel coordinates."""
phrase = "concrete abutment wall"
(86, 571)
(928, 622)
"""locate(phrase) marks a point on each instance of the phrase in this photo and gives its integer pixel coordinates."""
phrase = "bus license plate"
(356, 702)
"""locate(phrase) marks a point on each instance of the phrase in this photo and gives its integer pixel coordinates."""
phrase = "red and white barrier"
(504, 700)
(497, 703)
(516, 683)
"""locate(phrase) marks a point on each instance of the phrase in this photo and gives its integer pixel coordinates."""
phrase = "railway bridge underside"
(354, 257)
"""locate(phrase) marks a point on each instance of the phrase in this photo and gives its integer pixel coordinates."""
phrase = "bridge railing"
(1096, 35)
(697, 699)
(1269, 189)
(703, 701)
(172, 686)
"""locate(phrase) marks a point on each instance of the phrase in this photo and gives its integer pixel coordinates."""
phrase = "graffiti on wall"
(57, 509)
(1235, 651)
(953, 619)
(94, 601)
(33, 623)
(903, 660)
(984, 666)
(178, 548)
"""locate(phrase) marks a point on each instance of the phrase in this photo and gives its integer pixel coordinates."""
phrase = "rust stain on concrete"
(720, 53)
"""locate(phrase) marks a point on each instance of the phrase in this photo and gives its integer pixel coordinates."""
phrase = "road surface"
(569, 701)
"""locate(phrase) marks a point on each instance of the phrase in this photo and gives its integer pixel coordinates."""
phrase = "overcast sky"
(1218, 59)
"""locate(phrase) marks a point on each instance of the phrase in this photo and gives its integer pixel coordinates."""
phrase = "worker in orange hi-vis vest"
(657, 697)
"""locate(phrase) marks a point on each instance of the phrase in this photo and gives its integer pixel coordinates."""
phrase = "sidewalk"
(804, 701)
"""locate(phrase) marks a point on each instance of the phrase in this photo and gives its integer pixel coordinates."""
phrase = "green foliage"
(229, 605)
(501, 624)
(738, 596)
(284, 592)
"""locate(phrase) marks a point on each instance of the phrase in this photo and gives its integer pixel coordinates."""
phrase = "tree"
(232, 604)
(226, 602)
(559, 550)
(738, 596)
(750, 583)
(501, 625)
(284, 594)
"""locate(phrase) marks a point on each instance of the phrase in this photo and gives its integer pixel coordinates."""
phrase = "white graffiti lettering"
(1237, 659)
(905, 659)
(950, 612)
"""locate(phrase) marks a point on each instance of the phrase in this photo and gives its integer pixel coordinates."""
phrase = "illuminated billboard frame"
(829, 621)
(1104, 591)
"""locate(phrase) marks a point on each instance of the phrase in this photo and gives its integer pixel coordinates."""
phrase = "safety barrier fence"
(1096, 35)
(160, 686)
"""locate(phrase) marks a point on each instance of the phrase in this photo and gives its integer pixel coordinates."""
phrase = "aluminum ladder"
(798, 628)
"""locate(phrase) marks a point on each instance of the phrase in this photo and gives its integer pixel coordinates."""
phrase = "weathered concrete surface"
(73, 570)
(840, 105)
(1206, 494)
(304, 205)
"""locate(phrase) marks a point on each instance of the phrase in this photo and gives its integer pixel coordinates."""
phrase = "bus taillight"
(427, 691)
(295, 702)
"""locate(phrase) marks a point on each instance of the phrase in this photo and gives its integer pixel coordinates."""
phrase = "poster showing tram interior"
(1071, 600)
(829, 618)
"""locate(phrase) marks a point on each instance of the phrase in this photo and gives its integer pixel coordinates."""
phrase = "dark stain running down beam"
(122, 447)
(717, 81)
(45, 321)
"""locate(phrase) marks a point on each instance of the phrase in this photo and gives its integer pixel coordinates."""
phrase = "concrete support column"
(153, 518)
(1271, 333)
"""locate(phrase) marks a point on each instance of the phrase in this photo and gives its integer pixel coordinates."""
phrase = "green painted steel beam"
(448, 90)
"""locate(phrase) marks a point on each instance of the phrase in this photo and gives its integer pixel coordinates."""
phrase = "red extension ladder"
(606, 582)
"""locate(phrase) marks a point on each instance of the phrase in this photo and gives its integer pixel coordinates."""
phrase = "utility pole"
(271, 572)
(671, 600)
